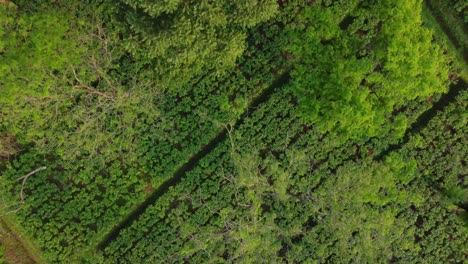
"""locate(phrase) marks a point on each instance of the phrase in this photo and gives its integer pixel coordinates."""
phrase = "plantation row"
(280, 181)
(299, 192)
(68, 210)
(205, 212)
(315, 171)
(440, 151)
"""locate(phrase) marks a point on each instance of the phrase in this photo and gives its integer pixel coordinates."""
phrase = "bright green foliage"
(56, 89)
(33, 51)
(353, 71)
(33, 47)
(354, 210)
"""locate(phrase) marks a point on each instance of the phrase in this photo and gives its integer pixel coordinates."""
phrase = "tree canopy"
(175, 40)
(354, 71)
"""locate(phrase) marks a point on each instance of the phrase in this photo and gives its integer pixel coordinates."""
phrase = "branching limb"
(229, 129)
(24, 178)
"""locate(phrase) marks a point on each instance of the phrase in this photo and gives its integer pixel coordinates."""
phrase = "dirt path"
(15, 249)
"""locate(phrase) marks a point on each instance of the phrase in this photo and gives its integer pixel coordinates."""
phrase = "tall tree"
(174, 40)
(353, 71)
(57, 90)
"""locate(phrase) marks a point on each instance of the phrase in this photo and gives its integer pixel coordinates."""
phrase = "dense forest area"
(233, 131)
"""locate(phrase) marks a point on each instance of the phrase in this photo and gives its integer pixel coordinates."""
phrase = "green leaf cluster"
(352, 71)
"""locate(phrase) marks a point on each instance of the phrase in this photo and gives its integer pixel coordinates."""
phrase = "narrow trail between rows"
(189, 165)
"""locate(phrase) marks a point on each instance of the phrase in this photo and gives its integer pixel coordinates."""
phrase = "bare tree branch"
(24, 178)
(229, 130)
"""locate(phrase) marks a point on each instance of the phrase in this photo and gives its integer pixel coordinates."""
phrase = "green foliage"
(56, 92)
(441, 153)
(461, 7)
(70, 206)
(34, 46)
(83, 98)
(2, 251)
(133, 90)
(155, 9)
(173, 41)
(354, 71)
(258, 187)
(455, 13)
(71, 193)
(306, 195)
(233, 188)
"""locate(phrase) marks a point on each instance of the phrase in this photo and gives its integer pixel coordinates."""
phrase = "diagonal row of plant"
(75, 207)
(214, 186)
(229, 126)
(254, 172)
(257, 188)
(269, 30)
(277, 180)
(392, 209)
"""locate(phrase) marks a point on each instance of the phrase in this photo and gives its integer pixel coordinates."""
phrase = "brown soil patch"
(149, 188)
(8, 144)
(14, 250)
